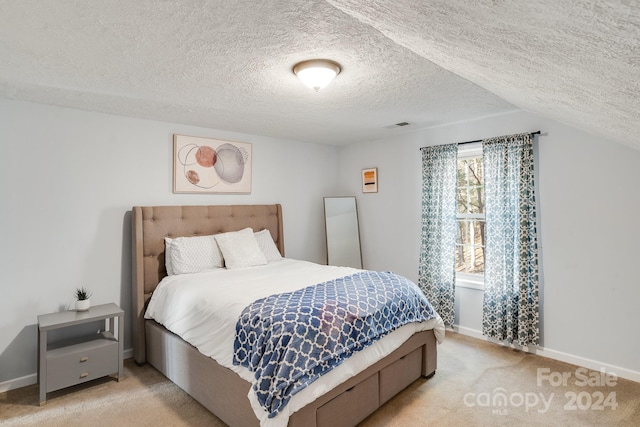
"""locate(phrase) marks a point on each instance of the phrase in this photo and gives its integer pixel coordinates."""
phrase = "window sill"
(470, 283)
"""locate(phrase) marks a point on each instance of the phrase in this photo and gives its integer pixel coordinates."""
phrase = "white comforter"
(203, 309)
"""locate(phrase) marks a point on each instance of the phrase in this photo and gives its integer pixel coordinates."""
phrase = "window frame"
(467, 280)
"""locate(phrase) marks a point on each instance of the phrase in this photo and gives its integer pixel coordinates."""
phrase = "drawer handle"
(84, 359)
(84, 374)
(349, 389)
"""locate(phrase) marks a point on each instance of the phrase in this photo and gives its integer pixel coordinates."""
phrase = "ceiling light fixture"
(316, 73)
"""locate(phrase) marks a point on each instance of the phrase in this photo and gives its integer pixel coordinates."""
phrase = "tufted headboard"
(151, 224)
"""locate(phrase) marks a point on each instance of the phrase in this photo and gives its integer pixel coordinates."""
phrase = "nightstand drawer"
(82, 362)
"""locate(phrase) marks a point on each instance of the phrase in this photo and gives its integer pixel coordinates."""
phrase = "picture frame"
(370, 180)
(211, 166)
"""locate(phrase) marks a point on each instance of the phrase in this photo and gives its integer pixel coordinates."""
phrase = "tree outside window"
(470, 238)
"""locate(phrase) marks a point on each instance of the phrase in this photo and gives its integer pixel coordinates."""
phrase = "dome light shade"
(316, 73)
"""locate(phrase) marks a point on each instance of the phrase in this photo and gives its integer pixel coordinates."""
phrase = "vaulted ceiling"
(228, 64)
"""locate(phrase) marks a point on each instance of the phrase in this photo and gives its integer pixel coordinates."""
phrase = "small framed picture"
(370, 180)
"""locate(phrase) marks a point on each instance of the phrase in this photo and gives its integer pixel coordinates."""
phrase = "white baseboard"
(469, 332)
(18, 382)
(127, 354)
(591, 364)
(33, 378)
(560, 356)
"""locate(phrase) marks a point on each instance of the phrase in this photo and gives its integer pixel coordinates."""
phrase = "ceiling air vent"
(398, 125)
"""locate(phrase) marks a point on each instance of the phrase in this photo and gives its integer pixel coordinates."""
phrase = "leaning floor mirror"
(343, 235)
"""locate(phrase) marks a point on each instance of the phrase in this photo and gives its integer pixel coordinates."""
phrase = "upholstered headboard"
(151, 224)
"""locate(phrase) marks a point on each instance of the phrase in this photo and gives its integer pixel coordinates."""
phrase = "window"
(470, 239)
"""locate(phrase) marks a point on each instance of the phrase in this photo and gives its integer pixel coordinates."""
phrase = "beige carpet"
(472, 376)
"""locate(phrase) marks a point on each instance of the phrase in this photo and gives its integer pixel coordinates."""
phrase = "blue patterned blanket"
(289, 340)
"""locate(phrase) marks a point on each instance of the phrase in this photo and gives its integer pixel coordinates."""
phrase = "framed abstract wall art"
(370, 180)
(206, 165)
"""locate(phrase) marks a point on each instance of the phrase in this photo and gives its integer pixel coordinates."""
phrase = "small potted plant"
(82, 296)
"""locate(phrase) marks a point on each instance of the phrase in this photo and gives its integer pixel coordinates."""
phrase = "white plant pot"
(83, 305)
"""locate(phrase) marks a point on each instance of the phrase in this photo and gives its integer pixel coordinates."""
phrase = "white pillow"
(168, 242)
(194, 254)
(267, 245)
(240, 249)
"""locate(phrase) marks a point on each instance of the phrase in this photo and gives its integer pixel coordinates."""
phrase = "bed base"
(224, 393)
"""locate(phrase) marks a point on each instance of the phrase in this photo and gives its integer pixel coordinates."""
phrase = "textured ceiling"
(227, 64)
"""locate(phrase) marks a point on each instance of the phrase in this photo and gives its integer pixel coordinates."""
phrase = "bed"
(357, 393)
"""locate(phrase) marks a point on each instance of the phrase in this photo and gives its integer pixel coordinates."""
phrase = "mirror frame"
(326, 231)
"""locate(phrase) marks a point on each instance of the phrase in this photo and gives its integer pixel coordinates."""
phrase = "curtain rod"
(480, 140)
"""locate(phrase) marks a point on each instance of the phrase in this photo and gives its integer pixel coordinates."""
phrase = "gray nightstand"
(82, 359)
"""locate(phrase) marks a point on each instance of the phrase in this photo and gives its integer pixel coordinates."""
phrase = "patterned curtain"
(510, 310)
(439, 205)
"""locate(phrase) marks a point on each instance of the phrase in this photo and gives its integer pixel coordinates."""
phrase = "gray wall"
(588, 207)
(68, 181)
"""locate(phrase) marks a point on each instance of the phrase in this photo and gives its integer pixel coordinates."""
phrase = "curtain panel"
(438, 236)
(511, 304)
